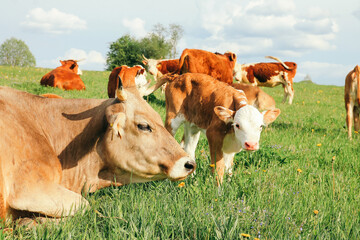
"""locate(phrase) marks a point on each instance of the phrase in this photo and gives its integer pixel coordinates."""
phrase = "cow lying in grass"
(204, 103)
(52, 149)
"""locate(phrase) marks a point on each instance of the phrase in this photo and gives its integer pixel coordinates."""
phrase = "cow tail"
(182, 60)
(357, 75)
(277, 59)
(169, 77)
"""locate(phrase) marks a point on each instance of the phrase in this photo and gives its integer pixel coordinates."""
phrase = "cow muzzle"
(251, 146)
(182, 168)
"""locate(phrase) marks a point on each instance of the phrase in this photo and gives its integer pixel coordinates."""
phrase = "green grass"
(267, 196)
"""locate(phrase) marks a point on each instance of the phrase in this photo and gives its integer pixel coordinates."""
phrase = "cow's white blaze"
(248, 122)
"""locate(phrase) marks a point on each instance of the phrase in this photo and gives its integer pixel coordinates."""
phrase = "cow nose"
(251, 146)
(190, 165)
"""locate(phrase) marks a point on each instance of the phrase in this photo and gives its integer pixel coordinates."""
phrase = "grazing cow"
(352, 99)
(64, 77)
(268, 75)
(159, 67)
(256, 96)
(130, 76)
(56, 149)
(219, 66)
(203, 103)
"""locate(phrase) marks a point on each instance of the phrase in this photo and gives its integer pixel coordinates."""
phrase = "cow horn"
(80, 60)
(120, 93)
(145, 58)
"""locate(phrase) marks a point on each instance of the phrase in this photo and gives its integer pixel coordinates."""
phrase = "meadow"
(303, 183)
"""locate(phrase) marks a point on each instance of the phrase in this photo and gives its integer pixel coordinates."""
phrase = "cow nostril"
(190, 165)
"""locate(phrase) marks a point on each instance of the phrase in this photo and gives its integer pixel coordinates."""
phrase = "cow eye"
(144, 127)
(237, 125)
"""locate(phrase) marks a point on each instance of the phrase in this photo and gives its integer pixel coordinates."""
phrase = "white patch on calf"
(176, 123)
(79, 72)
(179, 171)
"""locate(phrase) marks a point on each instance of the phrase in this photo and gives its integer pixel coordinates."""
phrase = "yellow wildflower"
(215, 199)
(299, 170)
(319, 144)
(245, 235)
(316, 212)
(356, 132)
(256, 239)
(333, 158)
(212, 165)
(264, 170)
(317, 101)
(182, 184)
(312, 130)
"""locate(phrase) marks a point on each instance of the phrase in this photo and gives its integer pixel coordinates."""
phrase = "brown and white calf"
(268, 75)
(204, 103)
(256, 96)
(352, 99)
(53, 149)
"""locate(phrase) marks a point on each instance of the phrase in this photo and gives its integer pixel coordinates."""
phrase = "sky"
(321, 36)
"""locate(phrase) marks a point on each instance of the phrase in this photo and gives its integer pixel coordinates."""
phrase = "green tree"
(15, 52)
(128, 51)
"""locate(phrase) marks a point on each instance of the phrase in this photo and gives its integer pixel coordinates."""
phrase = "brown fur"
(352, 99)
(64, 77)
(51, 150)
(127, 75)
(219, 66)
(256, 96)
(50, 95)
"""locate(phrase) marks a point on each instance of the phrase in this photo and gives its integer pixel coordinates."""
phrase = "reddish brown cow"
(203, 103)
(268, 75)
(219, 66)
(130, 76)
(64, 77)
(352, 99)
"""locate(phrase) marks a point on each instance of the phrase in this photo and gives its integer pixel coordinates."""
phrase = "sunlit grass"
(305, 165)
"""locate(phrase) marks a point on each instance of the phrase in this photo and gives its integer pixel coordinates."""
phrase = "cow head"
(136, 147)
(152, 66)
(71, 65)
(247, 122)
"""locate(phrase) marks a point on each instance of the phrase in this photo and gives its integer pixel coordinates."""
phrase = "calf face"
(71, 65)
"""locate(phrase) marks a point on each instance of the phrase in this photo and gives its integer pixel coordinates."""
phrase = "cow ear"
(62, 62)
(115, 115)
(144, 62)
(270, 115)
(120, 93)
(224, 114)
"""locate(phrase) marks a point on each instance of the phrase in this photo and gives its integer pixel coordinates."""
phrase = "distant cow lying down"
(130, 76)
(268, 75)
(352, 100)
(57, 148)
(64, 77)
(256, 96)
(204, 103)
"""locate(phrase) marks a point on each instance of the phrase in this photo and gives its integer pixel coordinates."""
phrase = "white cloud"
(52, 21)
(357, 13)
(136, 27)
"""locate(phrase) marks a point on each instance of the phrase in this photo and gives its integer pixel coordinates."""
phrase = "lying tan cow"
(64, 77)
(130, 76)
(256, 96)
(51, 150)
(352, 99)
(203, 103)
(268, 75)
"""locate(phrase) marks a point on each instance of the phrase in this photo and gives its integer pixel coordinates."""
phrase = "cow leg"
(349, 118)
(46, 198)
(215, 140)
(229, 162)
(288, 92)
(356, 119)
(191, 138)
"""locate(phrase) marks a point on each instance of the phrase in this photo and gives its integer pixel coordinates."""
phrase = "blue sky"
(321, 36)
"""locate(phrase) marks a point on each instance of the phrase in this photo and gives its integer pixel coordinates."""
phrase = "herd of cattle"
(120, 140)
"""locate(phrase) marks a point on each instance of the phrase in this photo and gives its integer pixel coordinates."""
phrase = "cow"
(159, 67)
(50, 95)
(130, 76)
(219, 66)
(256, 96)
(352, 100)
(53, 149)
(204, 103)
(65, 77)
(268, 75)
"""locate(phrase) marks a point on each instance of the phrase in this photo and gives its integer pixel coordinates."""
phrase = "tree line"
(127, 50)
